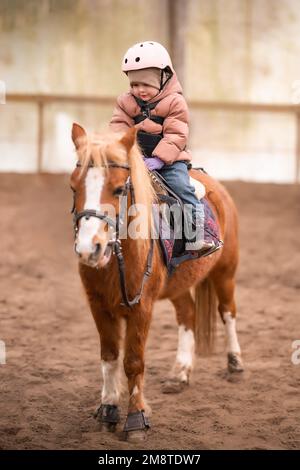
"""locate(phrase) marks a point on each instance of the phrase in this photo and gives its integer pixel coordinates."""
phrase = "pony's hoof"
(136, 437)
(234, 363)
(108, 427)
(174, 386)
(108, 417)
(136, 427)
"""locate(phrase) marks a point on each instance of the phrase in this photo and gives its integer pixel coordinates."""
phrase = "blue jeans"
(177, 177)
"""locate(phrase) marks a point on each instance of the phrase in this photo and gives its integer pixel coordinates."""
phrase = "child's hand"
(153, 163)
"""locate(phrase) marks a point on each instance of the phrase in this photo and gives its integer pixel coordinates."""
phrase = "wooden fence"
(42, 100)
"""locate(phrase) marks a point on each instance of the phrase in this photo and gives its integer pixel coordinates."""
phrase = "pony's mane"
(100, 149)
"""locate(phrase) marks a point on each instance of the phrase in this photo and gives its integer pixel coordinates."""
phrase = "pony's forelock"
(100, 149)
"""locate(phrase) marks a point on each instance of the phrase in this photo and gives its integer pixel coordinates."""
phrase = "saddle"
(173, 246)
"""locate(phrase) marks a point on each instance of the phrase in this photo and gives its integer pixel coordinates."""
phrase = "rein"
(114, 242)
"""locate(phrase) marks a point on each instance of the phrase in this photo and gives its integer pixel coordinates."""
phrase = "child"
(156, 107)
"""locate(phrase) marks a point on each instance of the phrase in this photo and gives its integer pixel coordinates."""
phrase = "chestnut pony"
(123, 279)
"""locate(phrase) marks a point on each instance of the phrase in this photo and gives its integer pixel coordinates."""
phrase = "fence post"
(178, 17)
(40, 136)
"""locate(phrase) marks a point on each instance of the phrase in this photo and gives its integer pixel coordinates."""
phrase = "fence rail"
(42, 100)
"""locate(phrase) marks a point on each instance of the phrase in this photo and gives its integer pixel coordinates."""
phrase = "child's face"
(143, 91)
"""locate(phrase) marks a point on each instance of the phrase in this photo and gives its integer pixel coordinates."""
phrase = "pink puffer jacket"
(172, 106)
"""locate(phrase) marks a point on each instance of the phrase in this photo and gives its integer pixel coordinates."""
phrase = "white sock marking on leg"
(186, 347)
(231, 335)
(111, 382)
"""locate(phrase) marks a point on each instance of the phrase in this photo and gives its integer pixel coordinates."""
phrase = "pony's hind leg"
(224, 286)
(181, 370)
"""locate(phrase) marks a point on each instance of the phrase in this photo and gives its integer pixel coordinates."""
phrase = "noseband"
(115, 242)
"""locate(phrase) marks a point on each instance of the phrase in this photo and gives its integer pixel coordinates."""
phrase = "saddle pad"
(174, 250)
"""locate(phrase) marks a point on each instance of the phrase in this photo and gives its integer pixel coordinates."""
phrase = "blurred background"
(238, 61)
(60, 62)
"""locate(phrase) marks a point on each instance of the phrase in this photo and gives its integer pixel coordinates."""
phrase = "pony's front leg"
(138, 322)
(108, 325)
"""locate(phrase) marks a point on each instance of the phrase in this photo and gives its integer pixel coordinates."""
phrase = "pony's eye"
(118, 191)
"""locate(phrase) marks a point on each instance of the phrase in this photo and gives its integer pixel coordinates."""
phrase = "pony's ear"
(78, 134)
(128, 139)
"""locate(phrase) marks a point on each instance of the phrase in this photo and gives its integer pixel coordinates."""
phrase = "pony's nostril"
(97, 249)
(76, 251)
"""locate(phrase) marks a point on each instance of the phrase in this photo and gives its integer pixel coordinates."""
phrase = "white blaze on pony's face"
(91, 230)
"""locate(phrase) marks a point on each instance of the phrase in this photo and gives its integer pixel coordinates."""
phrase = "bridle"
(114, 241)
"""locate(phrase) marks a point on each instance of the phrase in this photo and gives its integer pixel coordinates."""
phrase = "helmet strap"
(169, 74)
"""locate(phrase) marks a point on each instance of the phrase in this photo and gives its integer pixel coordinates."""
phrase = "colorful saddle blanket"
(173, 249)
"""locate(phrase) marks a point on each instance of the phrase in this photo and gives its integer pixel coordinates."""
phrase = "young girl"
(156, 107)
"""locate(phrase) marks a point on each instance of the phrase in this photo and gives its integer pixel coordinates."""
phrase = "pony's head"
(106, 165)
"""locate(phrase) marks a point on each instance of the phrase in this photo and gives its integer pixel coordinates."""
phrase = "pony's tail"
(206, 317)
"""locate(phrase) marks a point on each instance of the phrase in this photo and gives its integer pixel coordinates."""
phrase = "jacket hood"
(172, 86)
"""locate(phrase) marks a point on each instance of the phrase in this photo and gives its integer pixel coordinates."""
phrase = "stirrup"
(216, 247)
(205, 250)
(199, 245)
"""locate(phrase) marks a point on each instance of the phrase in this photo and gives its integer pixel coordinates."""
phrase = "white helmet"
(144, 55)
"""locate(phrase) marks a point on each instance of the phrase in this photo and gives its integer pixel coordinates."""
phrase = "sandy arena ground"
(50, 384)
